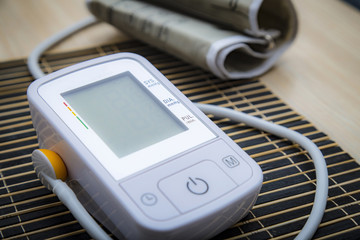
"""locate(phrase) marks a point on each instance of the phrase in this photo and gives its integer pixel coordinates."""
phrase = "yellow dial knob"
(56, 162)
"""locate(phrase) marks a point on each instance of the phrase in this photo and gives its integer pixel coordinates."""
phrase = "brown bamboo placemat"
(29, 211)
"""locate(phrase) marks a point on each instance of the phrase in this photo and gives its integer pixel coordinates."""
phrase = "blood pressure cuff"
(232, 39)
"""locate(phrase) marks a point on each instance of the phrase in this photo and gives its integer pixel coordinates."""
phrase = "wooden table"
(318, 76)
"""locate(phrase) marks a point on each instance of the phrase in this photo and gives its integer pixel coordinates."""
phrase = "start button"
(199, 184)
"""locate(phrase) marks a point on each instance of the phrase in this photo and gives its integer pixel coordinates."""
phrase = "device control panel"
(160, 194)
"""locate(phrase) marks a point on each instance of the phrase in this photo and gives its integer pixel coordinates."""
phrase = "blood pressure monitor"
(141, 157)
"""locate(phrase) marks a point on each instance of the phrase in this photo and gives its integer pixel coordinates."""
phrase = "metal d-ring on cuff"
(271, 42)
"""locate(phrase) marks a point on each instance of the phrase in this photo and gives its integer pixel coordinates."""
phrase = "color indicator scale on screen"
(75, 115)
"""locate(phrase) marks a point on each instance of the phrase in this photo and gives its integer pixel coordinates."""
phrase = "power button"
(196, 185)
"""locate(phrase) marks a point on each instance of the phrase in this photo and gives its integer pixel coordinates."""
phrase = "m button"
(230, 161)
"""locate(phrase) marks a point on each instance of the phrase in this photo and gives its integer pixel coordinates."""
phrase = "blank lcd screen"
(124, 114)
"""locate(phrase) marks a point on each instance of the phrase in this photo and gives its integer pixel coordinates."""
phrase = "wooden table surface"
(319, 76)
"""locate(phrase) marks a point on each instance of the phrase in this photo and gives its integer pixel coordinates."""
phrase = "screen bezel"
(120, 168)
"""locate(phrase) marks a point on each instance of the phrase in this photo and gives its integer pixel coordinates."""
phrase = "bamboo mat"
(29, 211)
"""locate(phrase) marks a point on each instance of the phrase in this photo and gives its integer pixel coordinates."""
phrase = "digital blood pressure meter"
(140, 156)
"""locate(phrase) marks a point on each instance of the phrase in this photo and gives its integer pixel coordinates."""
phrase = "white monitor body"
(140, 156)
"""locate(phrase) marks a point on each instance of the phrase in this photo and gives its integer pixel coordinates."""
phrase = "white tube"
(34, 56)
(321, 193)
(69, 199)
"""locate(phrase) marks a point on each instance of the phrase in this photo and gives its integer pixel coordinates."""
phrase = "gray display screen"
(124, 114)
